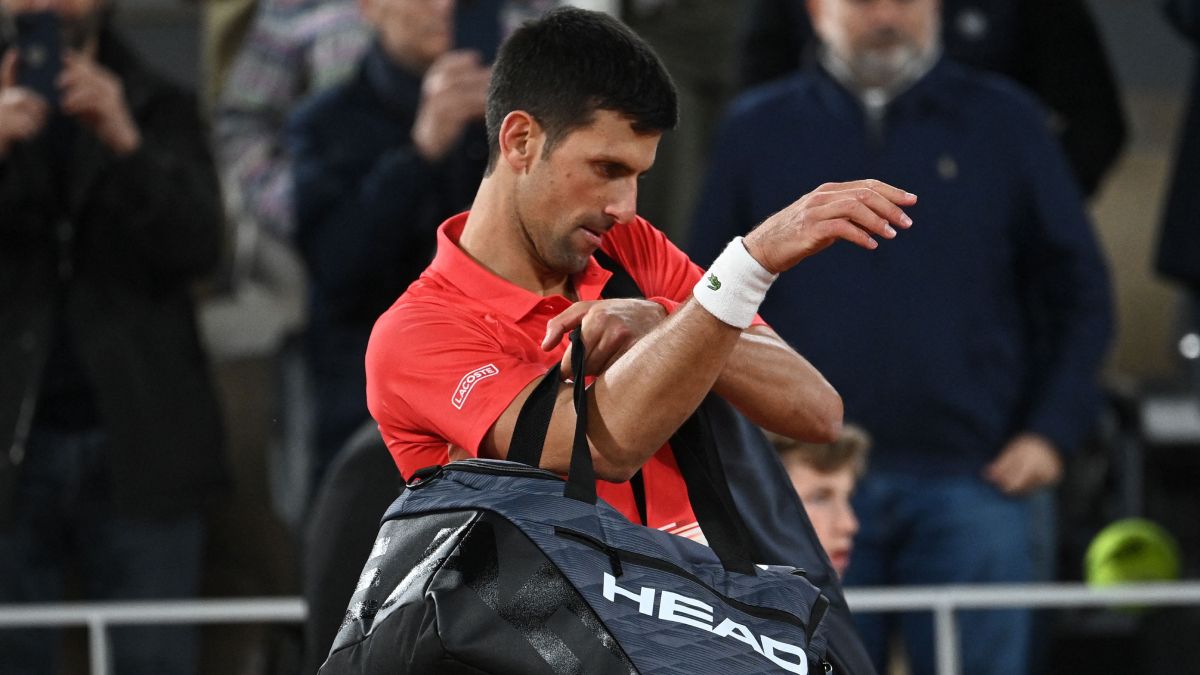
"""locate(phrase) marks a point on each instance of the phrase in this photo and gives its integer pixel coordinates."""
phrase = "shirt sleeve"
(437, 377)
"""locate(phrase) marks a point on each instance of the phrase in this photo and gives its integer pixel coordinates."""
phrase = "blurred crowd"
(270, 219)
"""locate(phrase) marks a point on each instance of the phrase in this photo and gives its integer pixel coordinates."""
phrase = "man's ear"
(521, 139)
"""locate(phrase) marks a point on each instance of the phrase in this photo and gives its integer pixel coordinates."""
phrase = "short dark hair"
(569, 63)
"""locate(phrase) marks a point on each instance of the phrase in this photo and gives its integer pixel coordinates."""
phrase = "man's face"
(414, 33)
(566, 200)
(826, 498)
(877, 39)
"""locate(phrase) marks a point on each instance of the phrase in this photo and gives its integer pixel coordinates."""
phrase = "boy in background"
(824, 475)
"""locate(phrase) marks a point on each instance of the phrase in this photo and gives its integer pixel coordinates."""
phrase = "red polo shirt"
(458, 346)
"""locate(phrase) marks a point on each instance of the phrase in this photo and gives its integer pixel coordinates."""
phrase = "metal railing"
(943, 601)
(99, 616)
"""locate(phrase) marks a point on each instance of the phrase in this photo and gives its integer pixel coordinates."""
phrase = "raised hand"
(95, 96)
(23, 112)
(858, 212)
(453, 94)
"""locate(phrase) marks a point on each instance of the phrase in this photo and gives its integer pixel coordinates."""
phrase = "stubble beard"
(551, 252)
(883, 66)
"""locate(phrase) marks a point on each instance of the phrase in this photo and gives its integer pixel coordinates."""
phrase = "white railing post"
(946, 638)
(99, 654)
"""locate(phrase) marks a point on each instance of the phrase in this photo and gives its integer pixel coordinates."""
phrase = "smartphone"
(477, 26)
(39, 53)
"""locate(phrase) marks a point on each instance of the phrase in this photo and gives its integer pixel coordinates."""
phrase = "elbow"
(618, 465)
(825, 419)
(614, 472)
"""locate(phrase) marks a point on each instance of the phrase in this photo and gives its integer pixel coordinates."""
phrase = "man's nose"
(622, 205)
(849, 521)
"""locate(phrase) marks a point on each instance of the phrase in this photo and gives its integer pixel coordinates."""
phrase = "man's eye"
(610, 170)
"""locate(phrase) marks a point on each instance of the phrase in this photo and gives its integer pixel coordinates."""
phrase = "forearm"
(639, 402)
(779, 389)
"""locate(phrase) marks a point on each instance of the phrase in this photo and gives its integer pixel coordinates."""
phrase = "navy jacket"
(989, 317)
(367, 210)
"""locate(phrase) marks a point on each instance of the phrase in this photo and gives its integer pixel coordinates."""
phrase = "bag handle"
(529, 434)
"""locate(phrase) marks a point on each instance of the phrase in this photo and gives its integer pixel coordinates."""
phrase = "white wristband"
(734, 286)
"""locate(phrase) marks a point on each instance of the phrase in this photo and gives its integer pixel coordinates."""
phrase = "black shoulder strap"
(534, 420)
(621, 285)
(698, 459)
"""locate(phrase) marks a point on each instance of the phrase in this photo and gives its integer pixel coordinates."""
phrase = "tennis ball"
(1131, 550)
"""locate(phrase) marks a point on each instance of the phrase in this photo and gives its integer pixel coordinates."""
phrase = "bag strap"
(698, 459)
(529, 434)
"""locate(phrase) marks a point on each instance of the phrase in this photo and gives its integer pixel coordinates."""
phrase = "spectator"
(995, 309)
(575, 111)
(111, 430)
(380, 162)
(825, 475)
(1053, 48)
(295, 48)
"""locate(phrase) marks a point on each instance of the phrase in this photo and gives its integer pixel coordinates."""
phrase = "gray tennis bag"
(487, 566)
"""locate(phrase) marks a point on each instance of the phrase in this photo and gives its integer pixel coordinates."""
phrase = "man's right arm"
(646, 394)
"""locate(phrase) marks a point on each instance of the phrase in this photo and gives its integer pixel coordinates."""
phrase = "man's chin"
(883, 68)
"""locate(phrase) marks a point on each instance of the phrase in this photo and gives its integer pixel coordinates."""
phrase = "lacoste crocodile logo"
(714, 284)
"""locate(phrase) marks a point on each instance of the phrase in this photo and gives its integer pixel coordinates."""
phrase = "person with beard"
(1051, 47)
(994, 313)
(111, 441)
(575, 109)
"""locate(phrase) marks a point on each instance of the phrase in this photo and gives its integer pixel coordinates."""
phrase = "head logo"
(468, 382)
(691, 612)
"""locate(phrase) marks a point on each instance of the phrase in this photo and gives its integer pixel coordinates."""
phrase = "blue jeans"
(65, 515)
(921, 530)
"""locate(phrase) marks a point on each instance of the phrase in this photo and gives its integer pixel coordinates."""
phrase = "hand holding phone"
(22, 112)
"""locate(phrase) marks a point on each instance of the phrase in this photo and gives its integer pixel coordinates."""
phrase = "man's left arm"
(778, 389)
(764, 378)
(1072, 318)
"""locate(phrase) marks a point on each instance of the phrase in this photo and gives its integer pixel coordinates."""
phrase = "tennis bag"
(729, 452)
(488, 566)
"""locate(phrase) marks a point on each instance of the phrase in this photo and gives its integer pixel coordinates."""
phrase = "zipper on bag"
(491, 469)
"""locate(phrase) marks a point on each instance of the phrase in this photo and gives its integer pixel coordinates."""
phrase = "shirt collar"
(481, 284)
